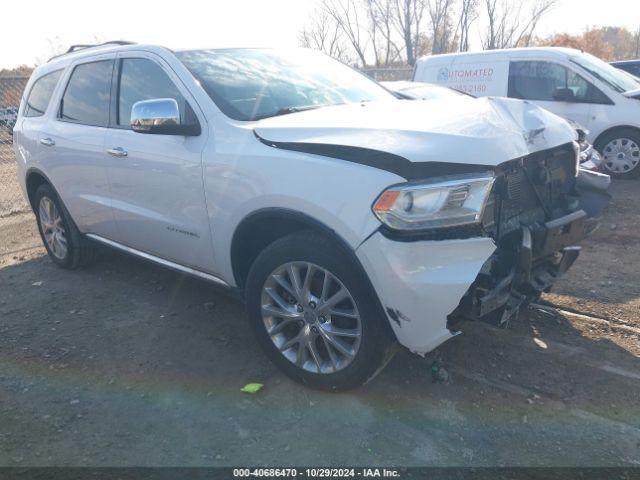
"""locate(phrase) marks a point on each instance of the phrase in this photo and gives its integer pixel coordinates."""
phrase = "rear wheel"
(314, 315)
(64, 243)
(620, 151)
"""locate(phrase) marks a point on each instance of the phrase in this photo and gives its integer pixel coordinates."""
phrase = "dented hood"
(481, 131)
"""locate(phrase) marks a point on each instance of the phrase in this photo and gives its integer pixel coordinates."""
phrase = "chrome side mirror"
(160, 116)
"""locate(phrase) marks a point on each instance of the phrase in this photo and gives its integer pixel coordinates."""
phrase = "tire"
(625, 142)
(330, 368)
(60, 236)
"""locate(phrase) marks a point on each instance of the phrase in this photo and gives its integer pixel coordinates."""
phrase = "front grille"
(530, 190)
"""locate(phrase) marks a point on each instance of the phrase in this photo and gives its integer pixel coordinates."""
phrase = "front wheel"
(314, 314)
(620, 151)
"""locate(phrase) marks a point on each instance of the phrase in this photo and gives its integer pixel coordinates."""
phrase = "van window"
(40, 95)
(86, 99)
(142, 79)
(537, 80)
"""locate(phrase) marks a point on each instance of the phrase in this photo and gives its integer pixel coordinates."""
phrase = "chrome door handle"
(117, 152)
(47, 142)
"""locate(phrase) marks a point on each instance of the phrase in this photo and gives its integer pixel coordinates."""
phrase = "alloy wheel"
(52, 228)
(311, 317)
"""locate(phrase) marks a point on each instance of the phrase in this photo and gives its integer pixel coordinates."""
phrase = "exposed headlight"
(443, 203)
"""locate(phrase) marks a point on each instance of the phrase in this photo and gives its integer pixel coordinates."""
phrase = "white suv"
(347, 219)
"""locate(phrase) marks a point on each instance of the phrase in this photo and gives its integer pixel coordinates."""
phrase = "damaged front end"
(540, 207)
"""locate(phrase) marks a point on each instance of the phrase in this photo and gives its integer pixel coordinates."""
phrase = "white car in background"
(347, 220)
(420, 91)
(567, 82)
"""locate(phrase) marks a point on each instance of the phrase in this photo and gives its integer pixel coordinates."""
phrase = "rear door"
(539, 81)
(74, 143)
(156, 180)
(28, 130)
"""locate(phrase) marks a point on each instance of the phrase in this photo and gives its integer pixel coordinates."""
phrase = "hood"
(472, 131)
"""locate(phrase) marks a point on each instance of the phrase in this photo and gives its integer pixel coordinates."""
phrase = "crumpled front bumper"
(420, 282)
(427, 286)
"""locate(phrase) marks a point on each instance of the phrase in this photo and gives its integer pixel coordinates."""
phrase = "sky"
(32, 29)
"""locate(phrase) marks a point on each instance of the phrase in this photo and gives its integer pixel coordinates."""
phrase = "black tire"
(79, 250)
(377, 341)
(621, 133)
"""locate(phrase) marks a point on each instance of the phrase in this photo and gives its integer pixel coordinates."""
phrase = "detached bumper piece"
(529, 259)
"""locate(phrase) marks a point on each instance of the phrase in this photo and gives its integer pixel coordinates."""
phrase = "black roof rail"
(74, 48)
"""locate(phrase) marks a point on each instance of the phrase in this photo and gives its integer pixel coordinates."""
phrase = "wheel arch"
(35, 178)
(603, 134)
(260, 228)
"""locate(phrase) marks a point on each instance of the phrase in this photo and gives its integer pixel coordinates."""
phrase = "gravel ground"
(124, 363)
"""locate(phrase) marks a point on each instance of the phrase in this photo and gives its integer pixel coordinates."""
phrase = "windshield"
(606, 73)
(249, 84)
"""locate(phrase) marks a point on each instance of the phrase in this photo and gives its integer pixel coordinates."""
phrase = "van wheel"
(64, 243)
(315, 316)
(620, 151)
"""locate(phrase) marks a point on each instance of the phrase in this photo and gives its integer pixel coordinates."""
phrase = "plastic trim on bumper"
(420, 283)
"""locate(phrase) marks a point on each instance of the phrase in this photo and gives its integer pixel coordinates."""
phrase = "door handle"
(47, 142)
(117, 152)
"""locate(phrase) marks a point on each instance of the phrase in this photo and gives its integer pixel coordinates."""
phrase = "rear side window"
(40, 94)
(86, 99)
(142, 79)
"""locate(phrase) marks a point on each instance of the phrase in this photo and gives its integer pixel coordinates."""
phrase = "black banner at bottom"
(232, 473)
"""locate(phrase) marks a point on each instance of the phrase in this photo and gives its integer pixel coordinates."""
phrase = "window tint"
(86, 99)
(142, 79)
(536, 80)
(539, 81)
(40, 94)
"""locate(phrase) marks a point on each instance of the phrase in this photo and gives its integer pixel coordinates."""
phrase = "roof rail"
(74, 48)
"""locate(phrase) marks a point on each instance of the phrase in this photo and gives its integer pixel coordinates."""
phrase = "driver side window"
(142, 79)
(538, 80)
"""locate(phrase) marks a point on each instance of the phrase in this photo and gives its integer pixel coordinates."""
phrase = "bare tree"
(468, 14)
(383, 38)
(441, 31)
(347, 16)
(323, 34)
(408, 21)
(506, 26)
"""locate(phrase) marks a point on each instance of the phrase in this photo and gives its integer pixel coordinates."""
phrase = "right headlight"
(442, 203)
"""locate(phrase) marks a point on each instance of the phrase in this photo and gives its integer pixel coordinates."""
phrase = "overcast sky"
(29, 27)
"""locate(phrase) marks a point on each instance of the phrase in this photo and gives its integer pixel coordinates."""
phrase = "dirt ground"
(11, 199)
(124, 363)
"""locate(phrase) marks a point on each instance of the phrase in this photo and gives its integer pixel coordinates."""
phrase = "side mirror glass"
(564, 95)
(160, 116)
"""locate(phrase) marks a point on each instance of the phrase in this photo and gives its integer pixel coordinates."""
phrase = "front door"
(156, 180)
(541, 81)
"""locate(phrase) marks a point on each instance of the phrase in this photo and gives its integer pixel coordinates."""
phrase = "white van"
(569, 83)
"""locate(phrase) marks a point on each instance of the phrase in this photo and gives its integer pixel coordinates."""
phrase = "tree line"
(385, 33)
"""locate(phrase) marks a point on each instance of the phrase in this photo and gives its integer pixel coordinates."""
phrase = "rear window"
(86, 99)
(40, 94)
